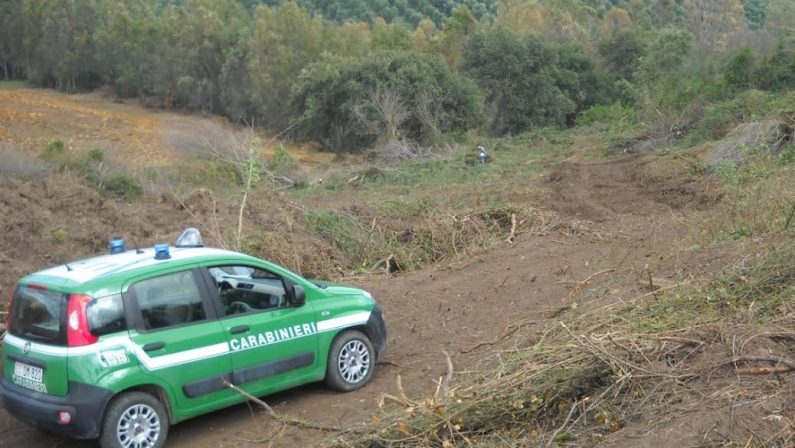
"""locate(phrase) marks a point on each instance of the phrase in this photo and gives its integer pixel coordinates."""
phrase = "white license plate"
(28, 372)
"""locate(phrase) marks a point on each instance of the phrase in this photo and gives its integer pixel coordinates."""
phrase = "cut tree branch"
(577, 289)
(285, 419)
(513, 229)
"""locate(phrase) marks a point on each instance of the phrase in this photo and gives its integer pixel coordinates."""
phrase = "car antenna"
(138, 249)
(68, 268)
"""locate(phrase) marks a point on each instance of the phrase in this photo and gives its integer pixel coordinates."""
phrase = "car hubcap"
(139, 427)
(354, 361)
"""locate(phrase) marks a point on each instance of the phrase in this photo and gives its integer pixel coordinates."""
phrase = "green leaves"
(528, 82)
(739, 72)
(345, 104)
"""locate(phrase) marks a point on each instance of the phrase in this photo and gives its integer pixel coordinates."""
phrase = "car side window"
(106, 315)
(169, 300)
(245, 289)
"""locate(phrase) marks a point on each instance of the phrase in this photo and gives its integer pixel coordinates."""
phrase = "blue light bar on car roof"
(117, 246)
(161, 252)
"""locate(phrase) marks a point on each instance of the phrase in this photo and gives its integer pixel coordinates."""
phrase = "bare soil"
(131, 135)
(618, 215)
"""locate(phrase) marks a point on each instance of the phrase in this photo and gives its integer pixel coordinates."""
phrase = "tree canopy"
(350, 73)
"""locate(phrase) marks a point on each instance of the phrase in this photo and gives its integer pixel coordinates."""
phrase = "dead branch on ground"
(511, 329)
(563, 426)
(401, 397)
(513, 229)
(578, 288)
(286, 419)
(781, 365)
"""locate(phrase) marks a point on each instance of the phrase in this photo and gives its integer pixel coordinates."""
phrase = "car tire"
(351, 361)
(119, 428)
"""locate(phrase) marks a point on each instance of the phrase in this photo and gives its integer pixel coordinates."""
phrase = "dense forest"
(411, 12)
(350, 74)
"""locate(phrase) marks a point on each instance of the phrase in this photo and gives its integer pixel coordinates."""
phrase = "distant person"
(482, 155)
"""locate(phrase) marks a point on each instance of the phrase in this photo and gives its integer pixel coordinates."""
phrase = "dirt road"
(613, 216)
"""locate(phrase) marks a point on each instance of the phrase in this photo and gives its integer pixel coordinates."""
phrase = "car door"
(273, 342)
(177, 338)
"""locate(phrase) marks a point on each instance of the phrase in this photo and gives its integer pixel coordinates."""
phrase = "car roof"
(115, 267)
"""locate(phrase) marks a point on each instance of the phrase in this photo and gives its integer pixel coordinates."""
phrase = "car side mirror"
(299, 296)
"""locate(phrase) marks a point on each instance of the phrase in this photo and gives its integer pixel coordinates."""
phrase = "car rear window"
(37, 315)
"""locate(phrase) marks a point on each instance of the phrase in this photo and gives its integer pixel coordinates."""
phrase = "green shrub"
(787, 156)
(96, 155)
(55, 152)
(739, 72)
(338, 101)
(777, 71)
(122, 186)
(721, 118)
(59, 235)
(282, 160)
(407, 206)
(336, 228)
(606, 114)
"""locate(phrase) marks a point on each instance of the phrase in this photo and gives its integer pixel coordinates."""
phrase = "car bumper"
(84, 403)
(376, 329)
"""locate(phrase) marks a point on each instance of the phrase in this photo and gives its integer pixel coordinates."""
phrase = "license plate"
(28, 372)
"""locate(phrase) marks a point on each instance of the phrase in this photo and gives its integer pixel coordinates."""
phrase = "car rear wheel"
(351, 361)
(134, 420)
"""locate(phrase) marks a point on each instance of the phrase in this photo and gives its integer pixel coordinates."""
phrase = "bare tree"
(243, 152)
(429, 110)
(391, 109)
(713, 22)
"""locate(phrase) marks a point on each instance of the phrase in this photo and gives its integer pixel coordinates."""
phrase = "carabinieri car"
(120, 346)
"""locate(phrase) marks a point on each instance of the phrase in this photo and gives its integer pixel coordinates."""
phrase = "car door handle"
(239, 329)
(152, 346)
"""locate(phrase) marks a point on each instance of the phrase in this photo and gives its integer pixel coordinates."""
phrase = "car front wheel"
(351, 361)
(134, 420)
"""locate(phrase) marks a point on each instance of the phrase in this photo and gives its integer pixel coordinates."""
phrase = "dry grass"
(758, 199)
(750, 140)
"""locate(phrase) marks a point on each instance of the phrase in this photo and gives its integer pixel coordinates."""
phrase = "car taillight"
(77, 332)
(10, 308)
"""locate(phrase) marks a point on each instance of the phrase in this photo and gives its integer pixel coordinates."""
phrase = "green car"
(120, 346)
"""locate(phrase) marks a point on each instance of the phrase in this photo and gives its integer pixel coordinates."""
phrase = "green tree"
(285, 40)
(58, 42)
(340, 102)
(457, 28)
(11, 29)
(666, 53)
(235, 85)
(129, 41)
(755, 13)
(777, 71)
(201, 33)
(739, 71)
(528, 82)
(390, 36)
(778, 20)
(623, 53)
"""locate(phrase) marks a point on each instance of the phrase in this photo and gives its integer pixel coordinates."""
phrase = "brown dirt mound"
(57, 219)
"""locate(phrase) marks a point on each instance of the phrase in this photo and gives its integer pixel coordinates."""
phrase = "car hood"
(339, 290)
